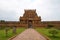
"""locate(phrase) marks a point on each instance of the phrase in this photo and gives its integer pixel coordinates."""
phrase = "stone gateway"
(30, 19)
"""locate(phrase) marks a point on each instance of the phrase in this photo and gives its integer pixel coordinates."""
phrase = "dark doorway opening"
(30, 24)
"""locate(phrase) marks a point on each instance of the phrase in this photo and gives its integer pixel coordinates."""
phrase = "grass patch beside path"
(10, 34)
(45, 31)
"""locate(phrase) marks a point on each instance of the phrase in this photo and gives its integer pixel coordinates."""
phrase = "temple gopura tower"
(30, 19)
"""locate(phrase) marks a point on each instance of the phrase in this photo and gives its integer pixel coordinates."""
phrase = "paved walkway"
(29, 34)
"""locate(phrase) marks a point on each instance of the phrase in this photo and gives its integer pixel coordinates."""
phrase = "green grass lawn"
(45, 32)
(10, 34)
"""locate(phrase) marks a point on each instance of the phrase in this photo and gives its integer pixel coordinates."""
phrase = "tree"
(2, 26)
(2, 20)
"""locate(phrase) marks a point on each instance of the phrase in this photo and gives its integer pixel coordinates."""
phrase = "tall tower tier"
(30, 16)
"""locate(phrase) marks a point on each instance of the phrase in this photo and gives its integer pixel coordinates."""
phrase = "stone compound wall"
(42, 24)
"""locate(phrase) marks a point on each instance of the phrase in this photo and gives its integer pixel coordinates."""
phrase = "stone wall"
(42, 24)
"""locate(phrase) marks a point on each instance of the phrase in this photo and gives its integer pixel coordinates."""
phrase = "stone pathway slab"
(29, 34)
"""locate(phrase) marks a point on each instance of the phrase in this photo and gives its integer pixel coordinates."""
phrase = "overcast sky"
(11, 10)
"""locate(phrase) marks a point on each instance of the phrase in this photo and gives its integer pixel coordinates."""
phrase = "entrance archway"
(30, 24)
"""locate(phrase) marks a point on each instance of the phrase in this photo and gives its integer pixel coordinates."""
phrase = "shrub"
(50, 26)
(53, 32)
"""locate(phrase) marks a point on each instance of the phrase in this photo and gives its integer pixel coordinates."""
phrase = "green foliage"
(45, 32)
(2, 20)
(10, 33)
(53, 32)
(50, 26)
